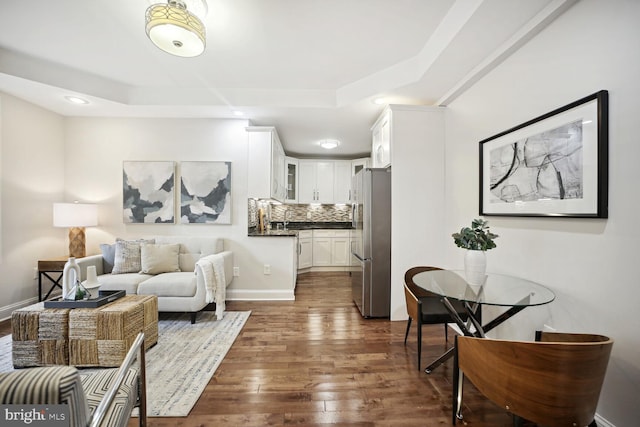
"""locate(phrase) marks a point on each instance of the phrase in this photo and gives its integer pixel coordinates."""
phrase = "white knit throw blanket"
(211, 268)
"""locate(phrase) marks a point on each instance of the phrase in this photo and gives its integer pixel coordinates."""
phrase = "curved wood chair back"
(425, 307)
(413, 304)
(417, 290)
(553, 382)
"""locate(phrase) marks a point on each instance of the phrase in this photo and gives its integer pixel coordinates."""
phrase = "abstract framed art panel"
(553, 165)
(205, 192)
(148, 192)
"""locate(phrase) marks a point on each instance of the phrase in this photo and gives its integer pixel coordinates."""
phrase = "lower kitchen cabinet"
(305, 249)
(331, 248)
(340, 254)
(324, 249)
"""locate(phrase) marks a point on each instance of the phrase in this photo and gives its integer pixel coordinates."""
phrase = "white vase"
(475, 267)
(70, 275)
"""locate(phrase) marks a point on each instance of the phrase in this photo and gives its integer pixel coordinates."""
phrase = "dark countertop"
(315, 225)
(272, 233)
(294, 227)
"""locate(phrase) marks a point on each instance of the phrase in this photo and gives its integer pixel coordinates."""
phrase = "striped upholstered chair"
(101, 397)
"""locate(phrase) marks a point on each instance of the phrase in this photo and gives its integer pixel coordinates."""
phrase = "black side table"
(46, 266)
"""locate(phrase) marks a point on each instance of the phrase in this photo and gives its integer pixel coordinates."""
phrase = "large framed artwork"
(205, 192)
(553, 165)
(148, 192)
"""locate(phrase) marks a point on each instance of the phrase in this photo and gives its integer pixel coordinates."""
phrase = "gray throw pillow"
(127, 258)
(108, 257)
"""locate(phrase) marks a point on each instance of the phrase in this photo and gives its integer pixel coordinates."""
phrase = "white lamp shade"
(75, 215)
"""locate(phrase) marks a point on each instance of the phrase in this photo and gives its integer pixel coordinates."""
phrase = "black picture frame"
(555, 165)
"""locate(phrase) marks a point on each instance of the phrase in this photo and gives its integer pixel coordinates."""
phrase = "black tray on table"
(104, 297)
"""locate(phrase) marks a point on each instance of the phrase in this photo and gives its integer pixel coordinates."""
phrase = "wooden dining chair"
(426, 308)
(553, 381)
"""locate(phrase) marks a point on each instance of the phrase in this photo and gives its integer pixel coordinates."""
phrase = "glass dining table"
(496, 290)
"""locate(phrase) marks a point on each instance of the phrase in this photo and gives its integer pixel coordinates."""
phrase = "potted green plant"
(476, 240)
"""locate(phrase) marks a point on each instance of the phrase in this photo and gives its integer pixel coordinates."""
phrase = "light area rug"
(180, 366)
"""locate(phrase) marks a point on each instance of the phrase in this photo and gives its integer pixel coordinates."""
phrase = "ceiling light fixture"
(76, 100)
(329, 144)
(378, 101)
(175, 29)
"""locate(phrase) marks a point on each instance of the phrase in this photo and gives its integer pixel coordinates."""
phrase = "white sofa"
(179, 291)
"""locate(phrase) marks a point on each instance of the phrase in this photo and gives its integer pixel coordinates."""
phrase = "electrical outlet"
(236, 271)
(267, 269)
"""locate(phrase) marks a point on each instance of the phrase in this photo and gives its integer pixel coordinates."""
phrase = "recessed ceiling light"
(329, 144)
(238, 113)
(76, 100)
(378, 101)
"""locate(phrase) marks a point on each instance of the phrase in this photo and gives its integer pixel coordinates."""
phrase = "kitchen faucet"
(287, 218)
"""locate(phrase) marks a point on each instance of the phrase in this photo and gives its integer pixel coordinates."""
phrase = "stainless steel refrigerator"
(371, 248)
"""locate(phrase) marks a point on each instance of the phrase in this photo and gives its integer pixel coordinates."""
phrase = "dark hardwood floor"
(315, 361)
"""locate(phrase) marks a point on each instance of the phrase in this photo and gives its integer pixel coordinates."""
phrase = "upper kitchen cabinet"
(358, 164)
(291, 179)
(266, 178)
(342, 181)
(381, 140)
(315, 181)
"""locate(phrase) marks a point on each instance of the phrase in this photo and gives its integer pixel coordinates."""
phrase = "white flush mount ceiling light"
(176, 27)
(76, 100)
(329, 144)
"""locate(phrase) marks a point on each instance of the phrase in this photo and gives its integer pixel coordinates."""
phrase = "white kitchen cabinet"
(305, 249)
(340, 254)
(358, 164)
(381, 140)
(331, 248)
(342, 181)
(321, 251)
(266, 164)
(291, 180)
(315, 181)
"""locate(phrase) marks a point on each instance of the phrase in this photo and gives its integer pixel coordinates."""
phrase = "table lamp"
(76, 216)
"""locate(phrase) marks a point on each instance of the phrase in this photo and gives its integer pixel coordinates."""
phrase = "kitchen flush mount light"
(378, 101)
(175, 29)
(329, 144)
(76, 100)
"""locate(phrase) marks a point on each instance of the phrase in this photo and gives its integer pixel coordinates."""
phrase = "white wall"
(590, 264)
(32, 144)
(417, 194)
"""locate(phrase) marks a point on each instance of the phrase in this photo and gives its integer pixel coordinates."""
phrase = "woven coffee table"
(83, 337)
(40, 336)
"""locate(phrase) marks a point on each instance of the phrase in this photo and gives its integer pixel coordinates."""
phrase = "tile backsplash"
(299, 213)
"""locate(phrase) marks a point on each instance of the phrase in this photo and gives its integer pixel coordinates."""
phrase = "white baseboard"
(260, 295)
(326, 269)
(603, 422)
(5, 312)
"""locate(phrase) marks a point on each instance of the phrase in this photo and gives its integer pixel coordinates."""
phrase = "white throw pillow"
(127, 256)
(156, 259)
